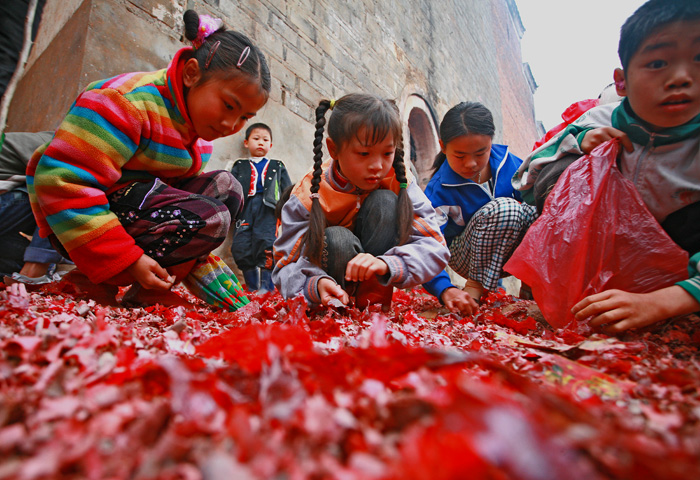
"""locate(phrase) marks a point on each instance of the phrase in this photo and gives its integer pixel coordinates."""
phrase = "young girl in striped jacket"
(121, 187)
(357, 226)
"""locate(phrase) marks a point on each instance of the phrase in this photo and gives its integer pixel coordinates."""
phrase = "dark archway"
(423, 140)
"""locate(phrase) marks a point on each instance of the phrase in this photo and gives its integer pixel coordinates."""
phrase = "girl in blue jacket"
(480, 214)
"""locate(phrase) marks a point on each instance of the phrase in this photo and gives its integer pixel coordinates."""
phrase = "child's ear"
(332, 149)
(190, 73)
(619, 78)
(442, 146)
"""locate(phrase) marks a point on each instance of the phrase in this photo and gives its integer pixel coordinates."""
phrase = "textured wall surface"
(440, 53)
(445, 52)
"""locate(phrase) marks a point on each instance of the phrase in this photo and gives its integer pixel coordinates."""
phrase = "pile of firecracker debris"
(277, 391)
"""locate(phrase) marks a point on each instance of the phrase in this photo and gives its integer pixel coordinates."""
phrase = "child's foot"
(34, 270)
(34, 275)
(474, 289)
(101, 293)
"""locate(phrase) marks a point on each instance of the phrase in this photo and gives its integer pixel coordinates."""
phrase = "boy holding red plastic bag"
(658, 126)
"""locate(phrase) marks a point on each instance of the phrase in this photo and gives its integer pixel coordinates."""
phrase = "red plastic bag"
(594, 234)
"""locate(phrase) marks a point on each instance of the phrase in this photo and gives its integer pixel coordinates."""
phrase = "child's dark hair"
(354, 112)
(284, 196)
(648, 18)
(465, 118)
(226, 52)
(255, 126)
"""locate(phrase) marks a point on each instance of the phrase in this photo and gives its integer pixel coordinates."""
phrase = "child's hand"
(618, 311)
(598, 136)
(363, 267)
(329, 290)
(150, 274)
(459, 301)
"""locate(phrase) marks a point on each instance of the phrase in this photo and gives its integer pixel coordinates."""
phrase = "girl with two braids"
(357, 225)
(121, 188)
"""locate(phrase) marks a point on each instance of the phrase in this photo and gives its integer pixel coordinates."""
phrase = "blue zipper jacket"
(457, 199)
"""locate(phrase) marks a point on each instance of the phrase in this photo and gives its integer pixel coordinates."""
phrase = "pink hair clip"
(314, 195)
(207, 26)
(243, 57)
(213, 50)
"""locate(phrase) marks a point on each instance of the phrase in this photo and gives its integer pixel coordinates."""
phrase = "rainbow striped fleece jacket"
(130, 128)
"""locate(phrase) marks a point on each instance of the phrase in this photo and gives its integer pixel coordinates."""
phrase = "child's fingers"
(620, 326)
(463, 308)
(154, 282)
(363, 267)
(332, 292)
(626, 142)
(163, 274)
(595, 311)
(579, 309)
(357, 267)
(459, 301)
(157, 278)
(607, 317)
(341, 295)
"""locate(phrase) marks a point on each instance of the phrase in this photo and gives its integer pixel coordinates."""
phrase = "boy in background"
(263, 180)
(658, 125)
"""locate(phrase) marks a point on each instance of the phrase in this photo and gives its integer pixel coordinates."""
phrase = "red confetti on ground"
(274, 391)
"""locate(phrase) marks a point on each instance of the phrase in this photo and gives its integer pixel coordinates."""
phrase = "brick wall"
(445, 52)
(441, 52)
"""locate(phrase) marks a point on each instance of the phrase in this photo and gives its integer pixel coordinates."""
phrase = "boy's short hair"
(648, 18)
(254, 126)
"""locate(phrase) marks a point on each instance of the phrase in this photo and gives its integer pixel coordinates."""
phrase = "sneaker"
(18, 278)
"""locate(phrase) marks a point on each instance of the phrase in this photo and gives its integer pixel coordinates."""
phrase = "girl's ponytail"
(439, 160)
(317, 221)
(404, 206)
(191, 20)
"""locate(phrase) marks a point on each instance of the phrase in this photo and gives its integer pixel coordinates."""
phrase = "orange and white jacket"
(423, 256)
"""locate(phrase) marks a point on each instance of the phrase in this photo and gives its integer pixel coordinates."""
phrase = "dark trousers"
(683, 226)
(16, 217)
(254, 235)
(258, 279)
(376, 231)
(15, 249)
(176, 224)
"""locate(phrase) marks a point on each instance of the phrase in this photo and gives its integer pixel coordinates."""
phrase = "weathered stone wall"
(428, 55)
(444, 52)
(99, 38)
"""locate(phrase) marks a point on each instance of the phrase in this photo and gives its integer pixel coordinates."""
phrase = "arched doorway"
(422, 139)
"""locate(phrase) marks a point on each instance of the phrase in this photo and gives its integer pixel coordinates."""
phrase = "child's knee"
(499, 209)
(340, 240)
(229, 183)
(226, 189)
(380, 204)
(217, 222)
(340, 246)
(377, 217)
(502, 213)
